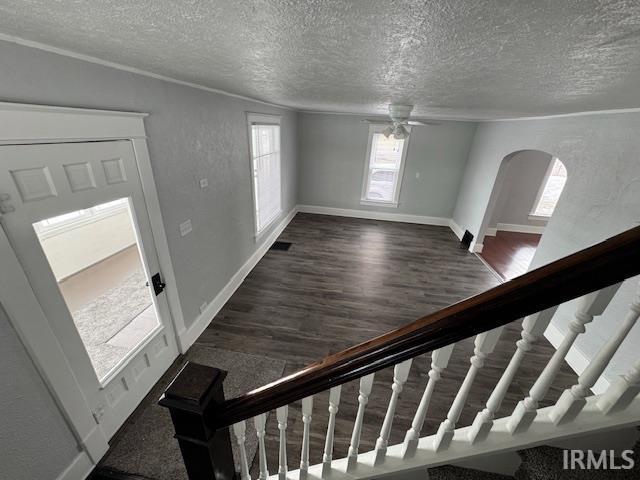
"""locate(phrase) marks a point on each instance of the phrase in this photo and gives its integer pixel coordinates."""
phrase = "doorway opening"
(95, 257)
(525, 195)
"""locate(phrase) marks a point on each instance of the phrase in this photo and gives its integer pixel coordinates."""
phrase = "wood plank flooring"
(344, 281)
(510, 253)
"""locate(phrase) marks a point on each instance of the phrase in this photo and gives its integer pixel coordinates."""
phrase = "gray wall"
(192, 134)
(601, 197)
(332, 160)
(35, 441)
(525, 172)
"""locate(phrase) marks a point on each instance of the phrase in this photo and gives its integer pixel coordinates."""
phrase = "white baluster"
(621, 392)
(400, 375)
(307, 407)
(588, 307)
(259, 421)
(533, 327)
(334, 402)
(572, 400)
(439, 361)
(366, 383)
(239, 430)
(281, 414)
(484, 345)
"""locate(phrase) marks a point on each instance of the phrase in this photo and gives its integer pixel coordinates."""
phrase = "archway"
(525, 194)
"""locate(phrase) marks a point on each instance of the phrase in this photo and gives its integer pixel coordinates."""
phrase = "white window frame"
(265, 119)
(536, 216)
(373, 129)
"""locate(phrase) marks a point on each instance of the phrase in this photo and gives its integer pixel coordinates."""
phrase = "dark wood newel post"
(192, 399)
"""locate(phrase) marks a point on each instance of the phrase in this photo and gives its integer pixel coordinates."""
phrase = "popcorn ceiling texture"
(465, 59)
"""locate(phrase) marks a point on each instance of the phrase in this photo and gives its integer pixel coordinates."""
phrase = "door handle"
(158, 284)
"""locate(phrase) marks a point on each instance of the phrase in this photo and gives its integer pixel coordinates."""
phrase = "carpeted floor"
(141, 447)
(106, 315)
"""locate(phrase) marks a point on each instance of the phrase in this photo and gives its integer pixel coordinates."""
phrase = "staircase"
(203, 418)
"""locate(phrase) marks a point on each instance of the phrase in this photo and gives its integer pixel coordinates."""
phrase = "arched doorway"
(524, 197)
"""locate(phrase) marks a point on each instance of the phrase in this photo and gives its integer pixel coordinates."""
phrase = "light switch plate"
(185, 228)
(204, 183)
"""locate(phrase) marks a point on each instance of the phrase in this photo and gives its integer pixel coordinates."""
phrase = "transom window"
(383, 172)
(264, 131)
(550, 190)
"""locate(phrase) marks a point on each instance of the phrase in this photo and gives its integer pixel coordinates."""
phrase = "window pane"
(99, 271)
(552, 190)
(266, 168)
(386, 152)
(383, 168)
(381, 184)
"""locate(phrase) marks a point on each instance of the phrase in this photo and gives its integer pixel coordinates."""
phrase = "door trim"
(35, 124)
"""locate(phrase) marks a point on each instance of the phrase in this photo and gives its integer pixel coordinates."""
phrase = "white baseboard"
(79, 469)
(477, 247)
(512, 227)
(187, 337)
(577, 360)
(370, 214)
(491, 232)
(457, 229)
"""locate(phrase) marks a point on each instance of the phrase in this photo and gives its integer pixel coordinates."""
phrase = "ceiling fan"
(399, 120)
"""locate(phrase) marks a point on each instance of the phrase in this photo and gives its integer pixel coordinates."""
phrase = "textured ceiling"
(459, 58)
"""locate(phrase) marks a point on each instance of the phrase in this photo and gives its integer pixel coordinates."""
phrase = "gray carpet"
(145, 445)
(106, 315)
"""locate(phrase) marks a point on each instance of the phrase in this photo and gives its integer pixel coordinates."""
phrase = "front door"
(76, 217)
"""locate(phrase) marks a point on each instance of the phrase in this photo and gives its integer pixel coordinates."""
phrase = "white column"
(334, 402)
(622, 392)
(439, 361)
(260, 421)
(239, 429)
(281, 414)
(400, 375)
(533, 326)
(587, 308)
(366, 383)
(307, 407)
(484, 345)
(573, 399)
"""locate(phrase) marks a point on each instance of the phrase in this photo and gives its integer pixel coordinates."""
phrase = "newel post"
(192, 399)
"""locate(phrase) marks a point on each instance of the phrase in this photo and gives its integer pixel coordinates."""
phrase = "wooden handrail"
(594, 268)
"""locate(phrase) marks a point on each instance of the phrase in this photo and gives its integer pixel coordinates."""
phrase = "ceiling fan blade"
(422, 123)
(377, 121)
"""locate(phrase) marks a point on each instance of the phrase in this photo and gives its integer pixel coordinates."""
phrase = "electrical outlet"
(185, 228)
(417, 174)
(203, 307)
(204, 183)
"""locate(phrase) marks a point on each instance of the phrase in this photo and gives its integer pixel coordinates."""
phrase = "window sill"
(373, 203)
(541, 218)
(259, 236)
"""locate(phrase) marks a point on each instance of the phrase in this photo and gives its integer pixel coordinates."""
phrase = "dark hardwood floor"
(344, 281)
(510, 253)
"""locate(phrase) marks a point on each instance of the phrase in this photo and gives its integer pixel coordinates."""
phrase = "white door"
(76, 217)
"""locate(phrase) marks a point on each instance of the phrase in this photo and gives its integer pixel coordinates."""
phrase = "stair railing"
(202, 416)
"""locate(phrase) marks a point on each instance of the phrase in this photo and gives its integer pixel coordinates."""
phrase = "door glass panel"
(95, 257)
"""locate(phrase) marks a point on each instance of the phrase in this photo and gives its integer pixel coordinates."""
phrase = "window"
(550, 190)
(383, 173)
(264, 131)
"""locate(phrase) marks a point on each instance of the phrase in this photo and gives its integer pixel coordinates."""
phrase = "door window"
(95, 257)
